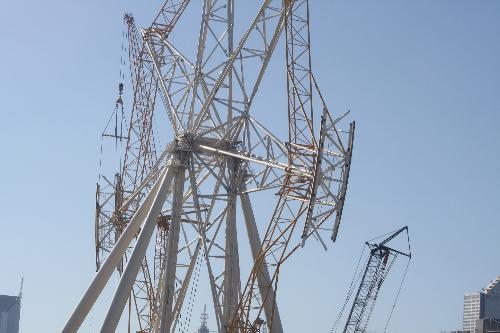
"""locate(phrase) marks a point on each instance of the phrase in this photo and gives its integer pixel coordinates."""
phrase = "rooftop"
(493, 287)
(7, 302)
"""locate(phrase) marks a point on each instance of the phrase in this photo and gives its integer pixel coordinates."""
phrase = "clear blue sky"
(422, 79)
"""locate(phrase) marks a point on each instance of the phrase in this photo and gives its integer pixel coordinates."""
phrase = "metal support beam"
(263, 279)
(173, 244)
(134, 263)
(230, 48)
(185, 285)
(232, 284)
(98, 283)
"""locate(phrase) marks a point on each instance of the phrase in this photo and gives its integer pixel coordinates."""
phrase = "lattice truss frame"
(184, 200)
(380, 261)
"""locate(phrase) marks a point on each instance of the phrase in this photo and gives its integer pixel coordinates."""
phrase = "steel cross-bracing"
(309, 199)
(172, 209)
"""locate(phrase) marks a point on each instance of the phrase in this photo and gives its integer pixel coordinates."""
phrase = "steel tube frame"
(271, 311)
(232, 284)
(185, 285)
(98, 283)
(218, 313)
(134, 263)
(173, 243)
(274, 164)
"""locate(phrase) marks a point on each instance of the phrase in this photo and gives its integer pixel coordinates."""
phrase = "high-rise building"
(472, 311)
(481, 305)
(10, 310)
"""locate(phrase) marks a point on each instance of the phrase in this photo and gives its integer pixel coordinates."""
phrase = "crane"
(380, 261)
(138, 159)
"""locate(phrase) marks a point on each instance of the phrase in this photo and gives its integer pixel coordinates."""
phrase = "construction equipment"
(183, 197)
(380, 261)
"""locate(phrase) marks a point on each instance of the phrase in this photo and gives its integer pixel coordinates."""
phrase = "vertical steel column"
(270, 306)
(232, 282)
(114, 258)
(119, 222)
(198, 74)
(173, 243)
(231, 286)
(230, 49)
(134, 263)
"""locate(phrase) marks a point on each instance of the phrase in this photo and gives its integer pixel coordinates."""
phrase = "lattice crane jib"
(380, 261)
(139, 160)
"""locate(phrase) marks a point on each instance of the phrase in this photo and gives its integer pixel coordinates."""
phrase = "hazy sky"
(422, 79)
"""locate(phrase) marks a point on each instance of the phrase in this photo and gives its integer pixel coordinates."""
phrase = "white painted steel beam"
(203, 239)
(263, 279)
(185, 285)
(134, 263)
(172, 245)
(232, 284)
(98, 283)
(256, 159)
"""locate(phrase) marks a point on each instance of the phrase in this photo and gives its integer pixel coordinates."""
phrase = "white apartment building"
(472, 311)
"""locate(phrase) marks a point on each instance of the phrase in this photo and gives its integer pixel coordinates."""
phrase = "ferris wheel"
(194, 154)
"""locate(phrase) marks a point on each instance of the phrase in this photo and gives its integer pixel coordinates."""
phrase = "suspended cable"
(397, 295)
(355, 278)
(379, 264)
(384, 235)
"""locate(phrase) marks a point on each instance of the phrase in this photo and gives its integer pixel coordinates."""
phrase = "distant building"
(482, 305)
(493, 287)
(488, 325)
(10, 311)
(492, 299)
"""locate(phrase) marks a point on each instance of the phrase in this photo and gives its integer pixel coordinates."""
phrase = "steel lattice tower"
(183, 197)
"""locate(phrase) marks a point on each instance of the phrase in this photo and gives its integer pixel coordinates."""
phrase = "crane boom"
(139, 159)
(377, 268)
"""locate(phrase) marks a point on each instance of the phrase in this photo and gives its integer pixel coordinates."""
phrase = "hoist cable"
(388, 233)
(355, 278)
(402, 282)
(397, 295)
